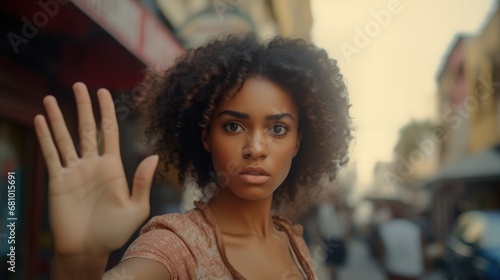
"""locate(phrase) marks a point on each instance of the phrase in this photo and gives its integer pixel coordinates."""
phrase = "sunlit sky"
(391, 76)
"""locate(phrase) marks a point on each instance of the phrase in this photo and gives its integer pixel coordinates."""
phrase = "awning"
(135, 28)
(484, 166)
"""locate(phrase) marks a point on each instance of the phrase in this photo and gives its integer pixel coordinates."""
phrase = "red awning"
(135, 28)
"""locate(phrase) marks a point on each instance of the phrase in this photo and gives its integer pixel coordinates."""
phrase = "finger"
(49, 150)
(143, 179)
(61, 134)
(86, 122)
(109, 124)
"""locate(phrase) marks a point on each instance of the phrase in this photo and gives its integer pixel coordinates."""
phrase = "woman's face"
(253, 138)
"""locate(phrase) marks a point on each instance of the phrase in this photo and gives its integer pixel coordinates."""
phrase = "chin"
(252, 193)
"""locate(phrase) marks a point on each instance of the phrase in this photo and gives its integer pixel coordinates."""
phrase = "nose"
(255, 146)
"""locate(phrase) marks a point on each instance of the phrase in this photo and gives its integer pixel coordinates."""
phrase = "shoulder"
(177, 241)
(295, 233)
(168, 227)
(297, 229)
(177, 222)
(186, 231)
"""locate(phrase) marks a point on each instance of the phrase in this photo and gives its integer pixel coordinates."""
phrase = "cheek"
(223, 152)
(289, 155)
(287, 146)
(284, 154)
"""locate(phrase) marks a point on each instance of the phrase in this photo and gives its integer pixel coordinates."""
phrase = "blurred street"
(423, 78)
(361, 265)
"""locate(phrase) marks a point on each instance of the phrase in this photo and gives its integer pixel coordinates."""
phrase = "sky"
(390, 52)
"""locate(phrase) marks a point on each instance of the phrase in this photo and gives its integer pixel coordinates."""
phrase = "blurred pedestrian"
(332, 228)
(400, 246)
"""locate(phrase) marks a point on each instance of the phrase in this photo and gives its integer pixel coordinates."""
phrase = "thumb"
(143, 178)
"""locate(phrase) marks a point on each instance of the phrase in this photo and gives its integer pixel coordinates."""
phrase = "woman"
(258, 121)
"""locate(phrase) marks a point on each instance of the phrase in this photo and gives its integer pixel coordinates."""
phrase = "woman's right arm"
(137, 269)
(92, 210)
(93, 268)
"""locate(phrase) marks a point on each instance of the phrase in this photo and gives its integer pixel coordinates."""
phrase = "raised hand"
(92, 211)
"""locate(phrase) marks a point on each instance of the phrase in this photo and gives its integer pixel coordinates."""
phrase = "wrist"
(79, 266)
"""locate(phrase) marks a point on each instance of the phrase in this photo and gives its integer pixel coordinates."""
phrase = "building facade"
(469, 94)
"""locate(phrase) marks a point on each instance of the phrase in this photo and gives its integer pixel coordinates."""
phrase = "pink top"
(190, 245)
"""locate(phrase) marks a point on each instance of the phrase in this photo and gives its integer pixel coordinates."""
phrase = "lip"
(255, 170)
(254, 175)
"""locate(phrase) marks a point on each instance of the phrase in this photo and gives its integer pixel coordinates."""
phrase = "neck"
(240, 217)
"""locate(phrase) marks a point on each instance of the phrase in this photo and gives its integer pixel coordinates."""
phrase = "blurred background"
(424, 81)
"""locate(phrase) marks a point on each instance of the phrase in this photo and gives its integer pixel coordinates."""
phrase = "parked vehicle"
(473, 248)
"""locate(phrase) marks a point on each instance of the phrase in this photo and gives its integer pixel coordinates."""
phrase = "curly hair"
(178, 104)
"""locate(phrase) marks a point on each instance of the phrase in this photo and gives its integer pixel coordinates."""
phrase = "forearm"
(78, 267)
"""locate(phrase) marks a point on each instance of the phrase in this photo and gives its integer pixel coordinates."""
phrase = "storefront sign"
(135, 28)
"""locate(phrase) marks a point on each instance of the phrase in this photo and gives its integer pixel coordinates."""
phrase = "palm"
(91, 208)
(91, 201)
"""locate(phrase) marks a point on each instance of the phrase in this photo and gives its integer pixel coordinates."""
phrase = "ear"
(205, 140)
(297, 145)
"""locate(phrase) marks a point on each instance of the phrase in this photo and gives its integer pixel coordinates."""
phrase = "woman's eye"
(232, 127)
(279, 130)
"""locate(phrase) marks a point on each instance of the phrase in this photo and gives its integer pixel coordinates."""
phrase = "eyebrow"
(245, 116)
(235, 114)
(279, 117)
